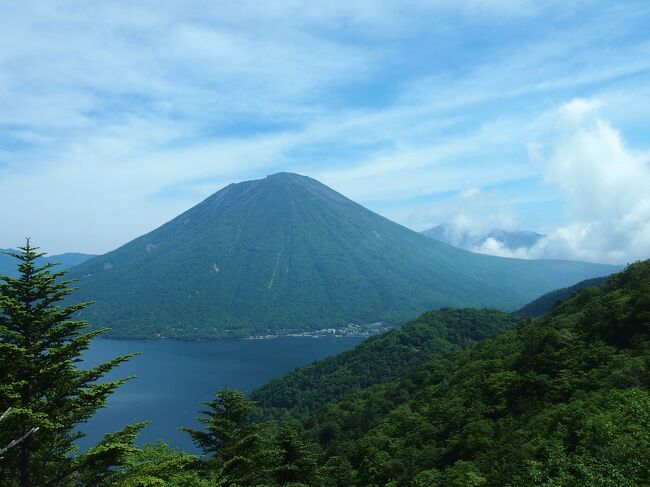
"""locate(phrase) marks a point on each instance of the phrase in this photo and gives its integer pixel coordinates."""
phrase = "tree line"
(456, 398)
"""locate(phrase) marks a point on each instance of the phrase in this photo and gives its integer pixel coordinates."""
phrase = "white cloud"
(465, 219)
(492, 246)
(109, 106)
(469, 193)
(604, 183)
(607, 188)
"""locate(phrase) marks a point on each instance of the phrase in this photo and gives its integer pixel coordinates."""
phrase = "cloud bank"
(606, 189)
(118, 116)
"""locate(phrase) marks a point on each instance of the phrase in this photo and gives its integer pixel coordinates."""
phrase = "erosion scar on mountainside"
(275, 270)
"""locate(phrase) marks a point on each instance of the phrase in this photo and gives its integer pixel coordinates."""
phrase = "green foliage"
(159, 465)
(298, 461)
(544, 304)
(287, 252)
(96, 466)
(558, 401)
(63, 261)
(561, 400)
(228, 419)
(242, 451)
(40, 345)
(379, 359)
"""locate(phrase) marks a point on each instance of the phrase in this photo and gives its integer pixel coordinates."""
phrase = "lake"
(174, 377)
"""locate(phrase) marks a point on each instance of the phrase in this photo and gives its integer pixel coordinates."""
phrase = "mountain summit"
(287, 252)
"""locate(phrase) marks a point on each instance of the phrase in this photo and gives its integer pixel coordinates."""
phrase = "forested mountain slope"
(379, 359)
(545, 303)
(288, 252)
(560, 400)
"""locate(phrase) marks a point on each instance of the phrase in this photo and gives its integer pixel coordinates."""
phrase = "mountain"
(559, 400)
(379, 359)
(545, 303)
(509, 239)
(8, 264)
(287, 252)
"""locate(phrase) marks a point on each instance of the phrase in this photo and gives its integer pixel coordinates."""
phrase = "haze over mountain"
(69, 259)
(287, 252)
(490, 242)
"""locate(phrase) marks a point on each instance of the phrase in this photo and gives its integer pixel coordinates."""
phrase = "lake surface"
(174, 377)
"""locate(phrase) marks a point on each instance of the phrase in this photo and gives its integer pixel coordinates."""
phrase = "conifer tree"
(228, 419)
(241, 449)
(297, 463)
(42, 386)
(244, 451)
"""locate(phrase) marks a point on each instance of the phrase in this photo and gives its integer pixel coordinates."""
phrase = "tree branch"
(14, 442)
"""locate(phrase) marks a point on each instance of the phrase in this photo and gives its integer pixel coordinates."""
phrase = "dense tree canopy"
(561, 400)
(380, 359)
(455, 398)
(544, 304)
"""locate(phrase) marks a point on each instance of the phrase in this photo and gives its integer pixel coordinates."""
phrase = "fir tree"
(42, 387)
(239, 447)
(298, 462)
(228, 419)
(246, 452)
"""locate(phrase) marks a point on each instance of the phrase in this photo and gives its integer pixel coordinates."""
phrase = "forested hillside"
(380, 359)
(560, 400)
(287, 252)
(545, 303)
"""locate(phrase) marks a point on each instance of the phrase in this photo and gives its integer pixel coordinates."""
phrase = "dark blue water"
(174, 377)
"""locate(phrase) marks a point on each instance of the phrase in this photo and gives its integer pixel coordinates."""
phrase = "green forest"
(289, 253)
(379, 359)
(543, 304)
(457, 397)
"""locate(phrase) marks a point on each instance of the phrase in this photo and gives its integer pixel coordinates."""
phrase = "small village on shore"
(350, 330)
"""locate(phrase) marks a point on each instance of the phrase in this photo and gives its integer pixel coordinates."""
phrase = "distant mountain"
(510, 240)
(287, 252)
(545, 303)
(8, 264)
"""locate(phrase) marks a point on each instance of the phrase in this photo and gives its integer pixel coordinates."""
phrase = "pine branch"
(13, 443)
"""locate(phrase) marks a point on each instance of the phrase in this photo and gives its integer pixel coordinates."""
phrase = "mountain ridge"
(65, 260)
(511, 240)
(557, 400)
(287, 252)
(548, 301)
(379, 359)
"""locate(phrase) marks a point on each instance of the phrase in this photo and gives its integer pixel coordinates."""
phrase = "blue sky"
(117, 116)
